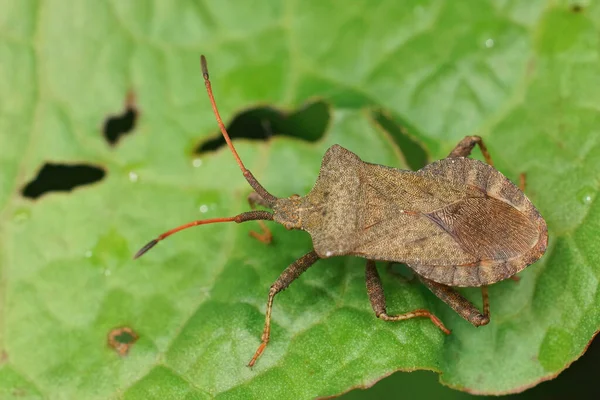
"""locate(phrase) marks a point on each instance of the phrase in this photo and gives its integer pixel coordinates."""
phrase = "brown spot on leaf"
(121, 339)
(19, 392)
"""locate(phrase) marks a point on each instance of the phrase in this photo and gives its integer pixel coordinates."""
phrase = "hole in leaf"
(61, 178)
(122, 339)
(308, 123)
(414, 153)
(117, 126)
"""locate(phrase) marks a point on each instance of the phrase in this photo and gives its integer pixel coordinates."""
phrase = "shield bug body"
(456, 222)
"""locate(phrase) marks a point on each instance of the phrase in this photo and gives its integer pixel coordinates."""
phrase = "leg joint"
(274, 290)
(479, 319)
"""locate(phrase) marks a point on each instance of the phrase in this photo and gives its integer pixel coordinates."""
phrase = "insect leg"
(486, 302)
(522, 181)
(265, 234)
(287, 276)
(377, 298)
(464, 147)
(461, 305)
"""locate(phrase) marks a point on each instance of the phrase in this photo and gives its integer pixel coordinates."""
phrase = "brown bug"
(456, 222)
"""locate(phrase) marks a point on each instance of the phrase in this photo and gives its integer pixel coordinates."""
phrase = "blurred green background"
(107, 139)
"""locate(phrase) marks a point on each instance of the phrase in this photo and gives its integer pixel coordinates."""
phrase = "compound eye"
(294, 196)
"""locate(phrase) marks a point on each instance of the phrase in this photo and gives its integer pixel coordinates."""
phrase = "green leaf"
(521, 74)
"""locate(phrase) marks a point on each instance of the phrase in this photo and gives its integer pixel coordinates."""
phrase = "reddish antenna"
(243, 217)
(268, 197)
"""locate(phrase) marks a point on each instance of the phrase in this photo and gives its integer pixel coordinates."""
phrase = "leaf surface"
(521, 74)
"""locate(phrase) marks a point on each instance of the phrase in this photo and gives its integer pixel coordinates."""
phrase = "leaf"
(521, 74)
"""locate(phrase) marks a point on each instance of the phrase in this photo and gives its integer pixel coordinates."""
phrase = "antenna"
(268, 198)
(243, 217)
(262, 192)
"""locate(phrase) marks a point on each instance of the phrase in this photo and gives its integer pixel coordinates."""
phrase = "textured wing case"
(457, 221)
(502, 229)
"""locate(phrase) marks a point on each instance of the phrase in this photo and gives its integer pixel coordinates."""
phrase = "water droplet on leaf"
(133, 177)
(586, 195)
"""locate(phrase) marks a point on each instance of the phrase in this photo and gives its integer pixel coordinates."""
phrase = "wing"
(458, 222)
(357, 208)
(396, 218)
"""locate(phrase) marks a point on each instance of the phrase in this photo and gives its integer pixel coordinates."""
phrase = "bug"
(457, 222)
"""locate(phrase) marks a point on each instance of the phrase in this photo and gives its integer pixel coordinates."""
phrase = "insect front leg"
(377, 298)
(264, 235)
(460, 304)
(287, 276)
(465, 146)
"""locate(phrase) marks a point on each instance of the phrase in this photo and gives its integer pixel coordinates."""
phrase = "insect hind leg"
(460, 304)
(465, 146)
(377, 298)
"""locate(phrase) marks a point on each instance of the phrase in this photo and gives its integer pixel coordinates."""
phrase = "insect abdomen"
(502, 228)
